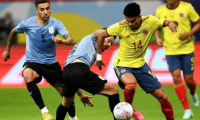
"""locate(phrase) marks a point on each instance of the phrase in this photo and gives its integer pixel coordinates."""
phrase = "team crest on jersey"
(123, 70)
(145, 32)
(181, 15)
(51, 30)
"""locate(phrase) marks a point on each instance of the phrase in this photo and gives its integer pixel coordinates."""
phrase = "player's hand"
(173, 27)
(159, 42)
(57, 40)
(6, 55)
(184, 36)
(86, 100)
(69, 42)
(99, 64)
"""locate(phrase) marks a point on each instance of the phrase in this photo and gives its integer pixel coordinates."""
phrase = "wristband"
(99, 57)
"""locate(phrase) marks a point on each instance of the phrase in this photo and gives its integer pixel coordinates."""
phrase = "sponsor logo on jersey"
(33, 31)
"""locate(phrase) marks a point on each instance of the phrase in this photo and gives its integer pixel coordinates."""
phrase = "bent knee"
(115, 90)
(29, 75)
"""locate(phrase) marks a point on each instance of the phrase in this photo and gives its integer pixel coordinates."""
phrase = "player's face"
(108, 42)
(44, 11)
(133, 22)
(172, 1)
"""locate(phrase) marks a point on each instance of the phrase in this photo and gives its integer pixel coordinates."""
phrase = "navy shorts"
(183, 62)
(145, 77)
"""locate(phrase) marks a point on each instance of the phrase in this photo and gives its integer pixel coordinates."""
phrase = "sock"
(192, 88)
(44, 110)
(113, 100)
(71, 110)
(61, 112)
(167, 108)
(181, 93)
(129, 92)
(35, 94)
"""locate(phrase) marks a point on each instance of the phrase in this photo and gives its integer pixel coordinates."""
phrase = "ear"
(140, 16)
(36, 10)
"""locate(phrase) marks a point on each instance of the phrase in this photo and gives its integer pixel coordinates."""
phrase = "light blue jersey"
(85, 50)
(39, 45)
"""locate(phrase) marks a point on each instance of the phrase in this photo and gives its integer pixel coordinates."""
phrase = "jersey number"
(138, 46)
(43, 38)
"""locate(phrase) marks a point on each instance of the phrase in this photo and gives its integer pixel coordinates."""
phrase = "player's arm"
(100, 43)
(97, 33)
(194, 17)
(84, 98)
(6, 53)
(158, 37)
(64, 33)
(68, 39)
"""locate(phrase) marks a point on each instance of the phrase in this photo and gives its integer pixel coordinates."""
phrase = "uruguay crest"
(51, 30)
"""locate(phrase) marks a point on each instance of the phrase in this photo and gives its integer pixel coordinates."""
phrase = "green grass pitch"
(16, 104)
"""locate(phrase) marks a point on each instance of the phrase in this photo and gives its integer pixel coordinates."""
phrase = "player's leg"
(188, 69)
(175, 64)
(31, 77)
(96, 84)
(165, 104)
(150, 84)
(128, 82)
(53, 75)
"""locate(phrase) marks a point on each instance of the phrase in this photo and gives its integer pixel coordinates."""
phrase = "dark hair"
(115, 37)
(132, 10)
(40, 1)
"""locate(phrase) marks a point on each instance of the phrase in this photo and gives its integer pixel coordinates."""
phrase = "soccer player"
(77, 74)
(135, 33)
(40, 54)
(179, 48)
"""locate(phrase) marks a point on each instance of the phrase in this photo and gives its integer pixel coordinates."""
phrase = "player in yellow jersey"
(179, 48)
(135, 33)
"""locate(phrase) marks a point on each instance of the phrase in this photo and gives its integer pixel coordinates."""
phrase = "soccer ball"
(123, 111)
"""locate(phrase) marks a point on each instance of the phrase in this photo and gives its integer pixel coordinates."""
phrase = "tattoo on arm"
(65, 36)
(10, 39)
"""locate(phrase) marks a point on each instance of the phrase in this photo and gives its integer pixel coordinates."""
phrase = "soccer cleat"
(47, 116)
(137, 115)
(195, 99)
(188, 114)
(73, 118)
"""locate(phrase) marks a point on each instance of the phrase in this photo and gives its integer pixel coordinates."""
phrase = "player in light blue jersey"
(77, 74)
(40, 57)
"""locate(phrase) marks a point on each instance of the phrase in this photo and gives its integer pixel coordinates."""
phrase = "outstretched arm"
(6, 53)
(173, 25)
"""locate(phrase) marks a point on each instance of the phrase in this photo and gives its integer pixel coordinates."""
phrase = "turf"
(16, 104)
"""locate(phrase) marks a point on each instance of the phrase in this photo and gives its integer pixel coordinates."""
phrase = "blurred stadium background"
(82, 17)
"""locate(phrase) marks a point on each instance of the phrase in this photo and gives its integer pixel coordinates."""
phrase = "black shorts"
(78, 75)
(52, 72)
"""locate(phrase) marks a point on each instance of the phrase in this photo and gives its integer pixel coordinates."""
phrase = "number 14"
(138, 46)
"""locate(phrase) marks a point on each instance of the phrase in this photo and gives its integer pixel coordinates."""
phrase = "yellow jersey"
(184, 14)
(133, 43)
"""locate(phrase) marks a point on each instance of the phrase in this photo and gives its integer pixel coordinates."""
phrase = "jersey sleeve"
(193, 15)
(61, 28)
(21, 27)
(157, 13)
(113, 30)
(157, 22)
